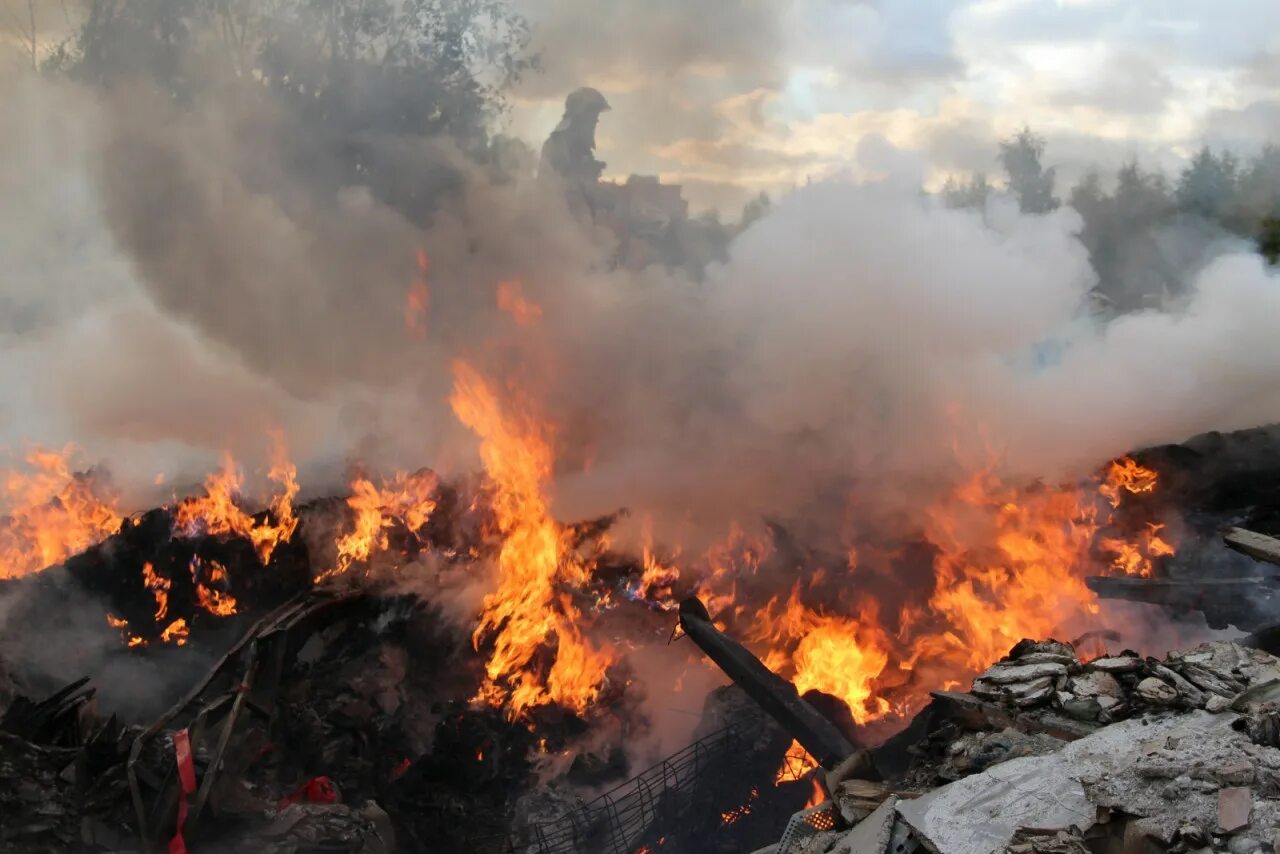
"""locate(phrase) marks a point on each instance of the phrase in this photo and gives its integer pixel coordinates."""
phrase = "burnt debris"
(1047, 753)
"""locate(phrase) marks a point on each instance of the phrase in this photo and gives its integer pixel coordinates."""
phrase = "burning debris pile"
(321, 686)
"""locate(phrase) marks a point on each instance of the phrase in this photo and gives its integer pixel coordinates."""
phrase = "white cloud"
(791, 88)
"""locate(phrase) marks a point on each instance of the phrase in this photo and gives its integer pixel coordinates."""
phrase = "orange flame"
(418, 299)
(511, 299)
(217, 514)
(159, 587)
(817, 796)
(1136, 558)
(212, 598)
(836, 655)
(527, 612)
(50, 513)
(795, 765)
(1010, 566)
(729, 817)
(175, 633)
(1127, 475)
(409, 498)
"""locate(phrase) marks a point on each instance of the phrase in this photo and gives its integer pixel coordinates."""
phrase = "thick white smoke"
(172, 292)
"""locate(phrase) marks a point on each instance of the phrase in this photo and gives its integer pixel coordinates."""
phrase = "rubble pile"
(333, 724)
(1119, 754)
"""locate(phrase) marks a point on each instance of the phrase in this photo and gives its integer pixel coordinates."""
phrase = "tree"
(19, 18)
(966, 194)
(1120, 231)
(365, 81)
(1207, 186)
(1269, 240)
(1020, 156)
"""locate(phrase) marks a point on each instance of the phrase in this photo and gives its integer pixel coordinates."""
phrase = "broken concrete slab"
(872, 834)
(1255, 545)
(1003, 674)
(1235, 805)
(980, 813)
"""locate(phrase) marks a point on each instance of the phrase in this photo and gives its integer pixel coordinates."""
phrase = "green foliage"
(1269, 240)
(1119, 234)
(1208, 185)
(972, 193)
(358, 80)
(1020, 156)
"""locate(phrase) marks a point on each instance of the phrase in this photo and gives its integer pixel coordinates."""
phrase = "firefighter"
(568, 155)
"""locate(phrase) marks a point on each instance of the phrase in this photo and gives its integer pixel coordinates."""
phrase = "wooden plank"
(1255, 545)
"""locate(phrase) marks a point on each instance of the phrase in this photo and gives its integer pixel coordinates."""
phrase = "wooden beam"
(1255, 545)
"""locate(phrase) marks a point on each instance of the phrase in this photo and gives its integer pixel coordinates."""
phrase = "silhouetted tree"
(362, 79)
(1207, 186)
(1119, 232)
(972, 193)
(1029, 181)
(1269, 240)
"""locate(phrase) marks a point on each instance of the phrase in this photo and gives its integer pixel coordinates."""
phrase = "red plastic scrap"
(317, 790)
(187, 781)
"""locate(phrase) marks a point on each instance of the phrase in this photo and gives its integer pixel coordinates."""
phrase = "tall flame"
(1011, 565)
(418, 299)
(159, 587)
(217, 514)
(409, 498)
(528, 612)
(837, 655)
(50, 513)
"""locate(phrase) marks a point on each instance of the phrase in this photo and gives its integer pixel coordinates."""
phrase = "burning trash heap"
(318, 691)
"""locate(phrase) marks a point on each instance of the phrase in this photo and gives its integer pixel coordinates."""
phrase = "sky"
(729, 97)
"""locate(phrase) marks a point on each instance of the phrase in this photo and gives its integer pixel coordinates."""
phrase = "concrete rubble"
(1050, 755)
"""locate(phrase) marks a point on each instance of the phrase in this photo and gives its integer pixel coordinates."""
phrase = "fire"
(1127, 475)
(217, 514)
(795, 765)
(737, 556)
(729, 817)
(817, 796)
(1156, 545)
(655, 582)
(657, 577)
(511, 300)
(528, 612)
(50, 513)
(1010, 566)
(409, 498)
(159, 587)
(1010, 563)
(837, 655)
(418, 299)
(1136, 558)
(175, 633)
(213, 599)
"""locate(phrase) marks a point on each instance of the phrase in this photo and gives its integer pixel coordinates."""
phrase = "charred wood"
(775, 695)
